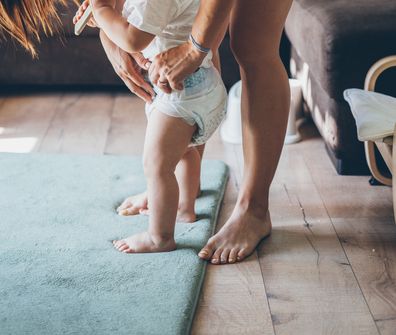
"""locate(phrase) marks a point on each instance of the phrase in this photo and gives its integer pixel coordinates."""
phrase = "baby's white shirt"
(169, 20)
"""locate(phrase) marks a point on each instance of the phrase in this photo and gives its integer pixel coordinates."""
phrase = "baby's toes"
(118, 243)
(129, 211)
(123, 247)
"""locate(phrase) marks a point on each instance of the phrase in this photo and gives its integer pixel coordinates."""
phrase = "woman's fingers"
(135, 75)
(140, 60)
(140, 92)
(128, 70)
(175, 80)
(154, 73)
(139, 81)
(163, 83)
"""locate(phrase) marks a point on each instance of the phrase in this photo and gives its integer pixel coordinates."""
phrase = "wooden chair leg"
(372, 164)
(394, 172)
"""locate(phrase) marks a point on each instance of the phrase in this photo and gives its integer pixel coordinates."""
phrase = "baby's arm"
(117, 28)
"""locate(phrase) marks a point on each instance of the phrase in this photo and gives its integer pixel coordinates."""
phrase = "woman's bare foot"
(237, 239)
(134, 205)
(144, 243)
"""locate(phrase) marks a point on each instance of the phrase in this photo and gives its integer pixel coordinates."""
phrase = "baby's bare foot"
(134, 205)
(144, 243)
(186, 216)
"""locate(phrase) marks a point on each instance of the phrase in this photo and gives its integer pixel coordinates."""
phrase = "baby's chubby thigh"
(167, 139)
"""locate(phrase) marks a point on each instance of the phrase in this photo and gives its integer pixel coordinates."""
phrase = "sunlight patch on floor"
(17, 144)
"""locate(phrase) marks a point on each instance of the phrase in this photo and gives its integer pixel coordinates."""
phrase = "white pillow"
(375, 113)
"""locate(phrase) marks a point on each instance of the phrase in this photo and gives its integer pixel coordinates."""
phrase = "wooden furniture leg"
(394, 172)
(369, 85)
(369, 148)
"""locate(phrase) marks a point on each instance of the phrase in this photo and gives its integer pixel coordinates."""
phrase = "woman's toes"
(206, 252)
(241, 254)
(216, 256)
(224, 256)
(233, 256)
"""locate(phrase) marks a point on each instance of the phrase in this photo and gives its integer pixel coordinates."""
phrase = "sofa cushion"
(340, 39)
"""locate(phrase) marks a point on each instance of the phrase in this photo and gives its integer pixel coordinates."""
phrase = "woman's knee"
(256, 30)
(254, 54)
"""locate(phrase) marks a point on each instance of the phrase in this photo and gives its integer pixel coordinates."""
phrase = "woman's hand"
(129, 68)
(170, 68)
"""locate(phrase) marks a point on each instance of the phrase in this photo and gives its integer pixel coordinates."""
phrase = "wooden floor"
(329, 266)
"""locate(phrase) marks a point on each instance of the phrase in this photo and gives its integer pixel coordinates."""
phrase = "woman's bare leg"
(255, 37)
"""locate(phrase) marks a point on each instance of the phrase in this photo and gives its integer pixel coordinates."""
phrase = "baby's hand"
(80, 13)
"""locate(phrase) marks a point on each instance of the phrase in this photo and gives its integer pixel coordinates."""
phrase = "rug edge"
(203, 273)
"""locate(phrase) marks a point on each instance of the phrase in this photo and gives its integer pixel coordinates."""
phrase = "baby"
(177, 122)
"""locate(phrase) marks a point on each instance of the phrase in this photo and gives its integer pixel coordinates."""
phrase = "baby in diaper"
(178, 122)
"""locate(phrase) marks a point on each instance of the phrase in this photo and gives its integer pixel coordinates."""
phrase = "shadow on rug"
(59, 273)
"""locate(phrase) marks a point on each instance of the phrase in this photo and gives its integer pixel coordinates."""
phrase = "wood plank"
(309, 282)
(370, 244)
(128, 126)
(368, 236)
(80, 125)
(24, 121)
(345, 196)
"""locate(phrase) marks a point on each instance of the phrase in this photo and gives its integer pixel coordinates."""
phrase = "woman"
(255, 30)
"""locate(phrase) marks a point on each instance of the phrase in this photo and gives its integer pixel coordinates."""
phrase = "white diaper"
(201, 102)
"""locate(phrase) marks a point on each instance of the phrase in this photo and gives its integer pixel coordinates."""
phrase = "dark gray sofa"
(334, 43)
(64, 59)
(67, 61)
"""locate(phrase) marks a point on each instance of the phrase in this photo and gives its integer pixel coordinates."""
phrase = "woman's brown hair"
(24, 20)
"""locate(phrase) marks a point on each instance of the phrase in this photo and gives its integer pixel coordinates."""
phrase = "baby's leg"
(188, 176)
(137, 204)
(167, 139)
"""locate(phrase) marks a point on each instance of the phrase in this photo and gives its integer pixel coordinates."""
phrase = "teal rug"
(59, 273)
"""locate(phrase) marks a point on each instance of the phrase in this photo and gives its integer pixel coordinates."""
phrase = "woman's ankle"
(258, 209)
